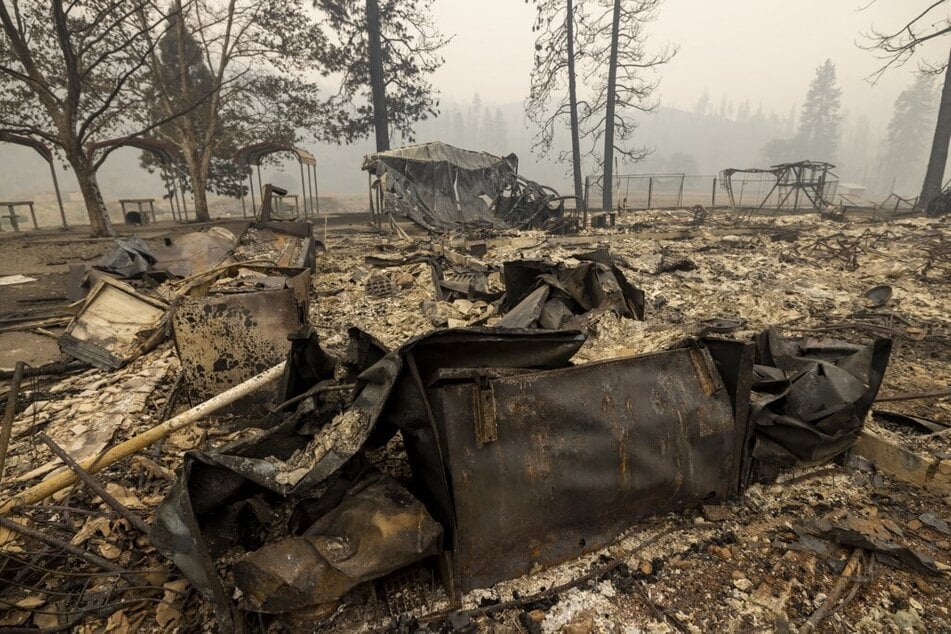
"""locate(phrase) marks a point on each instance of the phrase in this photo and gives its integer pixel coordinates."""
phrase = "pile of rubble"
(672, 423)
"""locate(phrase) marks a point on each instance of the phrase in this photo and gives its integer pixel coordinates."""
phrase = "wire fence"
(677, 191)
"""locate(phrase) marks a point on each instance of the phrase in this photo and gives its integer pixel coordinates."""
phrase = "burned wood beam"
(54, 542)
(10, 413)
(97, 488)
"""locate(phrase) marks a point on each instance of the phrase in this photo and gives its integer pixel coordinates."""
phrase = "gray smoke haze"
(761, 52)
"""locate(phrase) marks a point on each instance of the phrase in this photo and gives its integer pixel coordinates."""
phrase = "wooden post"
(680, 195)
(650, 190)
(33, 216)
(713, 193)
(10, 413)
(13, 218)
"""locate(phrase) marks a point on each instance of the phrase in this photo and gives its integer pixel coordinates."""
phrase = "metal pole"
(713, 194)
(303, 186)
(33, 216)
(650, 190)
(168, 190)
(310, 186)
(587, 189)
(59, 197)
(316, 193)
(254, 205)
(370, 193)
(179, 196)
(680, 196)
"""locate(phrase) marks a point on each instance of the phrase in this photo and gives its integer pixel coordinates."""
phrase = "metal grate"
(410, 590)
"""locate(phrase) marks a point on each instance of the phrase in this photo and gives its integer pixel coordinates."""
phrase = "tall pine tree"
(904, 151)
(818, 135)
(384, 53)
(182, 61)
(238, 81)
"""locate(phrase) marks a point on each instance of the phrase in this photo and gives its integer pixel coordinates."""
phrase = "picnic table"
(12, 214)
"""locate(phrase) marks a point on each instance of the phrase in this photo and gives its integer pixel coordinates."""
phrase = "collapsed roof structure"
(441, 188)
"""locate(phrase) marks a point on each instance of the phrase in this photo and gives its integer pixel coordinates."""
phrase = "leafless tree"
(65, 72)
(554, 84)
(895, 48)
(624, 82)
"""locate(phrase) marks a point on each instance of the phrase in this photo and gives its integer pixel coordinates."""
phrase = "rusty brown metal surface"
(578, 455)
(223, 340)
(379, 527)
(284, 244)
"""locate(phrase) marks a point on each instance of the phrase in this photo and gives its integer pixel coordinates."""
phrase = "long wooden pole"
(135, 444)
(10, 413)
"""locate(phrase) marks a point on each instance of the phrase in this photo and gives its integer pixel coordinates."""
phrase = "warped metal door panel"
(546, 465)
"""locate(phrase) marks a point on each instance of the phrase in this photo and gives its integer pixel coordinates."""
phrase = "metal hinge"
(483, 407)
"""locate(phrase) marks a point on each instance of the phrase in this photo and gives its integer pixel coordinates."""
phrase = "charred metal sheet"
(595, 284)
(444, 188)
(130, 258)
(811, 396)
(223, 340)
(377, 528)
(114, 325)
(194, 252)
(734, 362)
(579, 454)
(284, 244)
(869, 535)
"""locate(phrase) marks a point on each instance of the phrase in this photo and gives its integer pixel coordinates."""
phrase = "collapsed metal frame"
(168, 155)
(47, 155)
(809, 177)
(253, 155)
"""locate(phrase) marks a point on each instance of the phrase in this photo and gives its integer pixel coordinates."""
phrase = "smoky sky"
(762, 50)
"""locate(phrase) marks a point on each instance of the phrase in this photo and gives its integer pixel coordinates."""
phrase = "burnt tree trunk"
(377, 84)
(607, 185)
(200, 195)
(934, 177)
(92, 195)
(573, 101)
(199, 178)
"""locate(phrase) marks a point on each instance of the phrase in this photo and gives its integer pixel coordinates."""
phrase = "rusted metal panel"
(283, 244)
(579, 455)
(223, 340)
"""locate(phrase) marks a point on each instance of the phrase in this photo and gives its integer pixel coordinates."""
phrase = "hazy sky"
(763, 50)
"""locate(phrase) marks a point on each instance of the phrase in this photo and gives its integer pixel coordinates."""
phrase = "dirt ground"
(735, 566)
